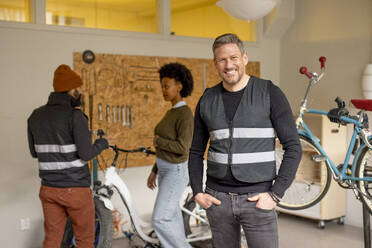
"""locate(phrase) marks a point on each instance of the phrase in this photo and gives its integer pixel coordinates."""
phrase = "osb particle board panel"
(122, 96)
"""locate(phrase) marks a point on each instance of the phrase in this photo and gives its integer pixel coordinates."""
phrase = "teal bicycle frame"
(359, 131)
(358, 127)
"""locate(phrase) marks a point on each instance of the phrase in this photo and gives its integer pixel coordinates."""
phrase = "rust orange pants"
(60, 203)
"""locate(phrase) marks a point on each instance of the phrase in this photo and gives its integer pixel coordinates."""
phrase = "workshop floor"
(304, 233)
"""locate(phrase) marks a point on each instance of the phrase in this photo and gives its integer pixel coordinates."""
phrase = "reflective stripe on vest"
(256, 157)
(61, 165)
(243, 133)
(253, 133)
(55, 148)
(221, 158)
(242, 158)
(219, 134)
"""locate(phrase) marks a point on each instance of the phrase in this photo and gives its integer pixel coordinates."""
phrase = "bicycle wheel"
(195, 230)
(104, 228)
(312, 178)
(364, 169)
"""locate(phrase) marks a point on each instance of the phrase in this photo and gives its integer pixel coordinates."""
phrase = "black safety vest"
(51, 128)
(247, 143)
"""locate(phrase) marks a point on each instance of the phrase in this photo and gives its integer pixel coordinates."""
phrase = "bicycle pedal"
(318, 158)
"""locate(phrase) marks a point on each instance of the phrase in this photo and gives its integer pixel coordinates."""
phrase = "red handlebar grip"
(322, 61)
(303, 70)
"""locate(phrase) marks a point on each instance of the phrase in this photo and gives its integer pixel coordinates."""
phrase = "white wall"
(338, 29)
(341, 30)
(29, 55)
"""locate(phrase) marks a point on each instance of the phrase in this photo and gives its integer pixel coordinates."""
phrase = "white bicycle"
(195, 220)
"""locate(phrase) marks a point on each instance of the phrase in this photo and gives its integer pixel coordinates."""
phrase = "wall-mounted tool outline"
(100, 112)
(108, 116)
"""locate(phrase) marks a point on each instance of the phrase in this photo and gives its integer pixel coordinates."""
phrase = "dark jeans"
(260, 226)
(78, 204)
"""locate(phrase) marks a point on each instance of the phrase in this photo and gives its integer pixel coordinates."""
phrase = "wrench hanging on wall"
(123, 115)
(100, 115)
(130, 116)
(118, 114)
(113, 114)
(108, 117)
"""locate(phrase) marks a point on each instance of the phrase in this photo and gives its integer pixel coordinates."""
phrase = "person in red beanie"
(59, 138)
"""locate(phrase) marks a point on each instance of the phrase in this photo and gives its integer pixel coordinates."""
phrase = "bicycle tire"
(312, 178)
(364, 169)
(104, 228)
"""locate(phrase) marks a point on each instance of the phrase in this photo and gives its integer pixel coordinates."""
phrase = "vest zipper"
(230, 145)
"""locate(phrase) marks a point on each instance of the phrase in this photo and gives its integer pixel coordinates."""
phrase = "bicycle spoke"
(311, 181)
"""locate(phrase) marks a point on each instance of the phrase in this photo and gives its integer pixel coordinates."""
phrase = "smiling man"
(240, 117)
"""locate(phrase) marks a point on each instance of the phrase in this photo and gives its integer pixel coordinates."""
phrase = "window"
(130, 15)
(15, 10)
(203, 18)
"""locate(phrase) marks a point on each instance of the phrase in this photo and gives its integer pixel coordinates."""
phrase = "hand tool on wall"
(130, 113)
(108, 117)
(127, 120)
(100, 116)
(123, 115)
(118, 114)
(113, 114)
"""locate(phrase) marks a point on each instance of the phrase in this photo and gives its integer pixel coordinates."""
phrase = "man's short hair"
(228, 38)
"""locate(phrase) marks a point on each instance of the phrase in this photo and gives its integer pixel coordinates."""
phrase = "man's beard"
(232, 81)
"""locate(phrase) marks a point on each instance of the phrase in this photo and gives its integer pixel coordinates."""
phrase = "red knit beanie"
(65, 79)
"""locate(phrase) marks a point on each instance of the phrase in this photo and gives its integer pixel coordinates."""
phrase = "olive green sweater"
(175, 135)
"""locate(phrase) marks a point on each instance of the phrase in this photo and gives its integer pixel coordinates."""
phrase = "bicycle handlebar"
(101, 133)
(140, 149)
(116, 149)
(322, 61)
(303, 70)
(314, 78)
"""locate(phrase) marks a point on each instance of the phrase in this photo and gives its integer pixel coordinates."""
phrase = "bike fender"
(106, 202)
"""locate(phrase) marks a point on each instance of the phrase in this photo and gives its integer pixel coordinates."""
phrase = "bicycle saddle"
(364, 104)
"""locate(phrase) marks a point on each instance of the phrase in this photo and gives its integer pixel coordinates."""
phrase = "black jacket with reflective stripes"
(55, 132)
(247, 143)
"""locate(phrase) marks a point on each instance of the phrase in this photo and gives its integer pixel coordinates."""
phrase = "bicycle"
(195, 221)
(308, 189)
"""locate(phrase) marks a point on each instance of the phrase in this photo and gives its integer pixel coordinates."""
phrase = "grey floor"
(297, 232)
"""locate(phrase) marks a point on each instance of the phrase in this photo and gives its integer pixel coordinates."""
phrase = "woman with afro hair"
(172, 141)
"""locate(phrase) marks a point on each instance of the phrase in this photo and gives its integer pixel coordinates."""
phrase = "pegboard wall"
(122, 96)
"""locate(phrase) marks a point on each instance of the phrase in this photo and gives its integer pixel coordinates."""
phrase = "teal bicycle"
(316, 169)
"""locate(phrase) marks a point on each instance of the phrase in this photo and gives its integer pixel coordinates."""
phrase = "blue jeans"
(259, 225)
(167, 217)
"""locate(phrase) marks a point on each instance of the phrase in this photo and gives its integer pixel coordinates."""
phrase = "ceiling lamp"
(247, 9)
